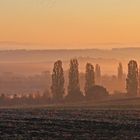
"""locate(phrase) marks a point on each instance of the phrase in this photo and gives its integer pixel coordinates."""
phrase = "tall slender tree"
(132, 78)
(139, 81)
(97, 74)
(57, 87)
(74, 92)
(89, 78)
(120, 72)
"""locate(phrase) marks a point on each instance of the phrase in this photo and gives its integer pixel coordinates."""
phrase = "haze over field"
(69, 69)
(34, 34)
(36, 61)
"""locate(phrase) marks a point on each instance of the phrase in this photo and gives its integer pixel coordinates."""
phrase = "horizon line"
(68, 49)
(71, 44)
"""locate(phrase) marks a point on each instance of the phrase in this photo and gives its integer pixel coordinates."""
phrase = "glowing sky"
(61, 23)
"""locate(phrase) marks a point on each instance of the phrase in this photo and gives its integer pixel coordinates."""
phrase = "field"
(69, 124)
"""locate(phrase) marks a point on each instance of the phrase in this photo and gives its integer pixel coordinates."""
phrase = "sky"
(70, 23)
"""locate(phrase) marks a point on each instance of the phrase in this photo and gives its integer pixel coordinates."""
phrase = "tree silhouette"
(97, 92)
(74, 92)
(139, 81)
(132, 78)
(57, 87)
(120, 72)
(97, 74)
(89, 78)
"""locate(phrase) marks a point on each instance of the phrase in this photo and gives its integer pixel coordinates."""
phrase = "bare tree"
(132, 78)
(57, 87)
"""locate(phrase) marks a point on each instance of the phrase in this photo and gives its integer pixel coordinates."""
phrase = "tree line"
(92, 91)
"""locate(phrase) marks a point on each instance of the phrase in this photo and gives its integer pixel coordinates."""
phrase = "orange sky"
(61, 23)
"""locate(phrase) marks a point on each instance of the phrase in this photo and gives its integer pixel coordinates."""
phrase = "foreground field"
(69, 124)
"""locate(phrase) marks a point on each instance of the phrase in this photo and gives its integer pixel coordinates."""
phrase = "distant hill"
(29, 61)
(52, 55)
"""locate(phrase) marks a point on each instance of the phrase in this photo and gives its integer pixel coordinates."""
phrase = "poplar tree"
(120, 72)
(132, 78)
(97, 74)
(89, 78)
(74, 92)
(139, 81)
(57, 87)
